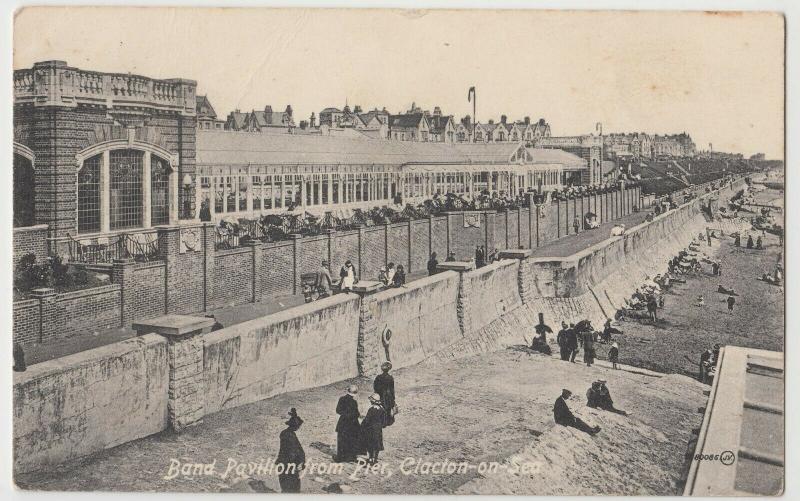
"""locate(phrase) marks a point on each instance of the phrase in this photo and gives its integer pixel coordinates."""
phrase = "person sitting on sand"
(563, 416)
(598, 397)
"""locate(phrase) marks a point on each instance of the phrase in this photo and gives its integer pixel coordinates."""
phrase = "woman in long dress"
(347, 428)
(348, 276)
(291, 456)
(372, 428)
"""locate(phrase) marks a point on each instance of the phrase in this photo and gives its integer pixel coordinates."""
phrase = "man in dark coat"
(432, 264)
(347, 429)
(480, 259)
(384, 386)
(291, 456)
(572, 342)
(749, 241)
(562, 341)
(372, 428)
(563, 416)
(598, 397)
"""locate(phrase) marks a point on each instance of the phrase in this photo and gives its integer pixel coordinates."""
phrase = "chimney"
(503, 119)
(437, 112)
(357, 109)
(541, 121)
(491, 121)
(467, 121)
(527, 120)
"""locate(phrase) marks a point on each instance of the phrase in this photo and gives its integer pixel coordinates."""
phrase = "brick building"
(102, 152)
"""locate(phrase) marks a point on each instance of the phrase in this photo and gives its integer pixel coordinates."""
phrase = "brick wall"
(87, 311)
(26, 322)
(277, 259)
(233, 276)
(30, 240)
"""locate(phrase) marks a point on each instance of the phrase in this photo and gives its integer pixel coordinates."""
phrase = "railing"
(55, 82)
(140, 247)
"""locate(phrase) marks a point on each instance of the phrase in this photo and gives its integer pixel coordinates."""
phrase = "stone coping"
(455, 266)
(173, 325)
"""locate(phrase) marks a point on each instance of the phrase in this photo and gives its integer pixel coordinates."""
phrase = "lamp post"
(187, 192)
(599, 128)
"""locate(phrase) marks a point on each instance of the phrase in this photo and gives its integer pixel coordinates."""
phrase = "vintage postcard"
(375, 251)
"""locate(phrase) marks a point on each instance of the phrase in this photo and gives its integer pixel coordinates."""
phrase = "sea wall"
(90, 401)
(309, 345)
(422, 318)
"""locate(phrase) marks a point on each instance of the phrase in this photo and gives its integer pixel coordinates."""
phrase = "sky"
(717, 76)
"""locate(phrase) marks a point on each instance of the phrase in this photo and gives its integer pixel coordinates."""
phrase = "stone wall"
(309, 345)
(421, 317)
(84, 403)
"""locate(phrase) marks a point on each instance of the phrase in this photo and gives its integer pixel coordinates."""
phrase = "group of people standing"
(354, 437)
(573, 337)
(391, 276)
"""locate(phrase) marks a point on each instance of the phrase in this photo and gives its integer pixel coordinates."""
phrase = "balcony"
(53, 83)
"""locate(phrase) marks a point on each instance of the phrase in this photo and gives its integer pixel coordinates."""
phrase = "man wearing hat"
(563, 416)
(384, 387)
(542, 329)
(598, 397)
(291, 456)
(372, 428)
(562, 340)
(347, 428)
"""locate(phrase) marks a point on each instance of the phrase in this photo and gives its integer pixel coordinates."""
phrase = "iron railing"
(141, 247)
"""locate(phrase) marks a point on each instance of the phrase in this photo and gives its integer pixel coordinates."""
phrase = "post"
(296, 249)
(369, 338)
(258, 268)
(122, 274)
(525, 279)
(48, 316)
(464, 293)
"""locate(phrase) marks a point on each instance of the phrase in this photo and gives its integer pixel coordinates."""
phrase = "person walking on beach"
(347, 428)
(291, 456)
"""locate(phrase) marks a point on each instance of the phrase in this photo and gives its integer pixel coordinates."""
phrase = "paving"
(570, 244)
(490, 411)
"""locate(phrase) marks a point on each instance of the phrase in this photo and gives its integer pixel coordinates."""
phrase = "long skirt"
(348, 445)
(290, 482)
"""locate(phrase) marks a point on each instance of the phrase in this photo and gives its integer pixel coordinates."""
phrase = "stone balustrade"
(53, 83)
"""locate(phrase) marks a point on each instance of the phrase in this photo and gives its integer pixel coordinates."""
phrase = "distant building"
(206, 116)
(589, 147)
(758, 156)
(235, 120)
(263, 121)
(442, 128)
(409, 127)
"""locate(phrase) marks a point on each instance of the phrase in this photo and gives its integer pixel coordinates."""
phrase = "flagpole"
(474, 106)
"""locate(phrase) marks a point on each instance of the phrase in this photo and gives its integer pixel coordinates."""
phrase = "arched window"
(89, 195)
(24, 192)
(124, 188)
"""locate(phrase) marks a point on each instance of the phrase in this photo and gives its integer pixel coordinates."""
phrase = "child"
(613, 354)
(700, 301)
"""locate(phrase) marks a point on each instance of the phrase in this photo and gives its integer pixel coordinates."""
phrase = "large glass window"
(24, 199)
(159, 191)
(125, 198)
(89, 195)
(243, 187)
(257, 193)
